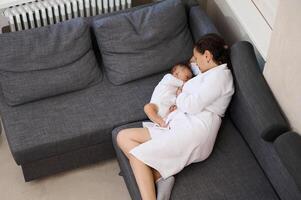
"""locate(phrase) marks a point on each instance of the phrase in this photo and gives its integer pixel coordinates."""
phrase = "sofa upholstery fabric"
(255, 112)
(254, 104)
(65, 123)
(47, 61)
(230, 172)
(200, 27)
(288, 146)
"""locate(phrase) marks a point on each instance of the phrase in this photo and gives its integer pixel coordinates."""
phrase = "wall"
(283, 69)
(228, 24)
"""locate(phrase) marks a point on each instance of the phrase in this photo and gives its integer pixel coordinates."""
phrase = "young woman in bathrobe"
(158, 154)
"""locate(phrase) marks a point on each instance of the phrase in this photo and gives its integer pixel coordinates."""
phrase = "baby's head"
(181, 71)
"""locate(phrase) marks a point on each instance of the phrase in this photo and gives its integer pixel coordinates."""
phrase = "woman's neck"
(210, 66)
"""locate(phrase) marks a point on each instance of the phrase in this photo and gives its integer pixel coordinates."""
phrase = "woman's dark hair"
(217, 47)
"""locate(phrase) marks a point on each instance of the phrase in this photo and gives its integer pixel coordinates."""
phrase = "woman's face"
(202, 60)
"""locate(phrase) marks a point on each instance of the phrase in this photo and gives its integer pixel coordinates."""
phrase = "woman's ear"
(208, 54)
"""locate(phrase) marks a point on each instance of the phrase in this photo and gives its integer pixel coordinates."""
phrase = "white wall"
(228, 23)
(283, 69)
(268, 9)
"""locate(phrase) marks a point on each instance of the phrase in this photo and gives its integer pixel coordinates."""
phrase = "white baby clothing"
(164, 94)
(193, 126)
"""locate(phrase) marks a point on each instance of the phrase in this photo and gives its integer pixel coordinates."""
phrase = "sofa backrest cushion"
(143, 42)
(200, 23)
(47, 61)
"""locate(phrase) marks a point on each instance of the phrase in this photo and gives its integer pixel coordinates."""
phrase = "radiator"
(46, 12)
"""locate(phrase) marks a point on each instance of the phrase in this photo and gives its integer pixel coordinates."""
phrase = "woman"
(155, 154)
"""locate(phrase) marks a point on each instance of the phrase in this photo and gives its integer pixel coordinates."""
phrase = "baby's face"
(183, 73)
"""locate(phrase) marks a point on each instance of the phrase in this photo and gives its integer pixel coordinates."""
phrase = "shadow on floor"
(140, 2)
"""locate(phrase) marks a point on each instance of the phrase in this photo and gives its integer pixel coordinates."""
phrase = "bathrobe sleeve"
(203, 95)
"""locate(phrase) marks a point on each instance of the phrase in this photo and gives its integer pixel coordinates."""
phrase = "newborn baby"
(165, 93)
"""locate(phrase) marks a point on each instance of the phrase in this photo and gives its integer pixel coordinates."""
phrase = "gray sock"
(164, 187)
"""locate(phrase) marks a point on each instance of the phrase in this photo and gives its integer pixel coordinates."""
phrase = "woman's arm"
(204, 95)
(192, 59)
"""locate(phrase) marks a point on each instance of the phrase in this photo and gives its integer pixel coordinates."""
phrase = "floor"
(95, 182)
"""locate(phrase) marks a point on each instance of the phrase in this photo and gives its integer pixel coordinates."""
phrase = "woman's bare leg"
(127, 139)
(144, 178)
(136, 139)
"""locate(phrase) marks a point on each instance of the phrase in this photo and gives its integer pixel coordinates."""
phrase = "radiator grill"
(46, 12)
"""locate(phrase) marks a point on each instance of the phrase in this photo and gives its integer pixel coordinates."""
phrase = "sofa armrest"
(288, 147)
(199, 22)
(253, 109)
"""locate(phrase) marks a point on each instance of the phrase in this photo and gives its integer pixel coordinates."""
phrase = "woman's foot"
(164, 187)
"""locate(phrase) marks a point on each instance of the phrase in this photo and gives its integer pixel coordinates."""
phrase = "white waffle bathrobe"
(193, 126)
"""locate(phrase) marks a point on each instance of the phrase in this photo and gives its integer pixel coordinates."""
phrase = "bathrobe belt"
(211, 109)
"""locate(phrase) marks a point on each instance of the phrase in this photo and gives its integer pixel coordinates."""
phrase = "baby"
(165, 93)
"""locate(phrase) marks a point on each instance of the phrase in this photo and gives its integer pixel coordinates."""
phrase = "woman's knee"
(139, 135)
(121, 137)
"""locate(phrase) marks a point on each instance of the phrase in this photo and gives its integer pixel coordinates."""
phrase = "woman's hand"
(192, 59)
(172, 108)
(162, 123)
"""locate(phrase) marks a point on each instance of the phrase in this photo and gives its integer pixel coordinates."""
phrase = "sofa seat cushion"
(63, 123)
(230, 172)
(143, 42)
(47, 61)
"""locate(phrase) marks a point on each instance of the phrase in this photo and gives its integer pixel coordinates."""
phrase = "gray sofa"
(62, 94)
(67, 89)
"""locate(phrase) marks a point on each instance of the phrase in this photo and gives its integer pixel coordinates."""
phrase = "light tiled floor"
(95, 182)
